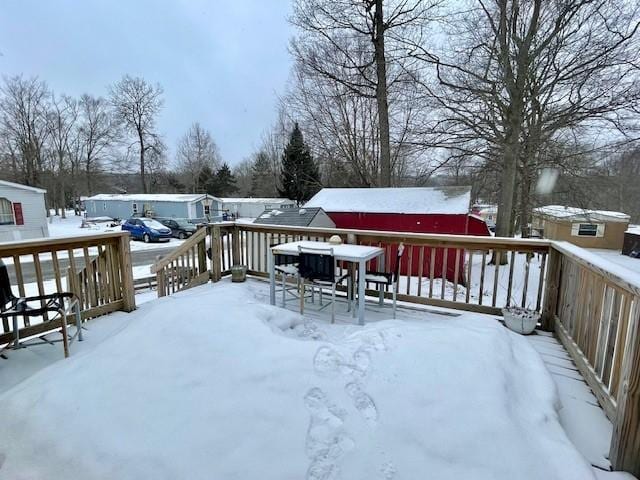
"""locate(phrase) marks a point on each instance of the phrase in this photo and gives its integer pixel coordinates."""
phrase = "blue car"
(147, 229)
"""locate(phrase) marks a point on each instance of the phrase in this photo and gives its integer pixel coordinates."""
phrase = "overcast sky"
(220, 62)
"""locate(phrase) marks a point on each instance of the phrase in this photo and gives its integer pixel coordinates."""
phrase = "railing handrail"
(25, 247)
(630, 283)
(431, 237)
(181, 250)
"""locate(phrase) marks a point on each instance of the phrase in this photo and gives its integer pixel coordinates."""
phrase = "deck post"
(551, 289)
(235, 245)
(216, 267)
(202, 255)
(625, 444)
(126, 272)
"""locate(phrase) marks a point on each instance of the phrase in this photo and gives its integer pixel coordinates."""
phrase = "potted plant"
(520, 320)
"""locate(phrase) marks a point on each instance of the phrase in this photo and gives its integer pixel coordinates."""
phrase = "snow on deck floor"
(213, 383)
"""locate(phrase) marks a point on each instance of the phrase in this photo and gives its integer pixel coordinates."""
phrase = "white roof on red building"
(414, 200)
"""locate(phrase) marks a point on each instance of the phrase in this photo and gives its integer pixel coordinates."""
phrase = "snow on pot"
(335, 240)
(238, 273)
(520, 320)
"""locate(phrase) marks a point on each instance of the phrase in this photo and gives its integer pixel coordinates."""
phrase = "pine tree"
(206, 182)
(262, 177)
(300, 177)
(225, 182)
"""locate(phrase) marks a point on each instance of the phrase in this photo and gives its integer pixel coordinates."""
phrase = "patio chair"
(287, 266)
(384, 279)
(318, 266)
(60, 303)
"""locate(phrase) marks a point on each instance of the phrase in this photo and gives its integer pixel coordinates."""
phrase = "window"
(207, 209)
(587, 230)
(135, 208)
(6, 212)
(104, 205)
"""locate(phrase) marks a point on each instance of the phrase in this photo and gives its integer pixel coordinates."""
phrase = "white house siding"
(33, 213)
(322, 220)
(254, 207)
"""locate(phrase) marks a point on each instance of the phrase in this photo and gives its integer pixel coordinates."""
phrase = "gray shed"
(169, 205)
(297, 217)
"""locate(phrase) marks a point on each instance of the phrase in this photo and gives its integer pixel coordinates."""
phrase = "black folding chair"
(287, 266)
(318, 266)
(13, 307)
(383, 279)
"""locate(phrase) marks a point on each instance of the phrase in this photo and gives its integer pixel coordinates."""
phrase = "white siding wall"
(252, 209)
(33, 212)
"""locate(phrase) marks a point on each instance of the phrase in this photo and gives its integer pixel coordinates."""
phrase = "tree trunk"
(88, 172)
(142, 173)
(381, 97)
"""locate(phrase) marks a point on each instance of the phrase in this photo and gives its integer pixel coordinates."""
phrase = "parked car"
(147, 229)
(180, 227)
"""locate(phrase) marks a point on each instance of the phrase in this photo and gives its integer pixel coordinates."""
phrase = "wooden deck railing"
(97, 268)
(184, 267)
(593, 311)
(596, 315)
(429, 260)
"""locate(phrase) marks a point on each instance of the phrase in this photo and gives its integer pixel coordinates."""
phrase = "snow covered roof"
(574, 213)
(635, 229)
(257, 200)
(22, 187)
(443, 200)
(152, 197)
(296, 217)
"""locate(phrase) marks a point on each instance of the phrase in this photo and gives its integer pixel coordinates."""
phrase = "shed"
(169, 205)
(296, 217)
(254, 207)
(582, 227)
(631, 246)
(417, 209)
(23, 213)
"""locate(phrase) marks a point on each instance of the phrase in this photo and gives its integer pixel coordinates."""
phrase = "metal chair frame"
(14, 307)
(318, 267)
(390, 279)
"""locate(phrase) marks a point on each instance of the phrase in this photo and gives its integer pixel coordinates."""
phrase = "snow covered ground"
(240, 389)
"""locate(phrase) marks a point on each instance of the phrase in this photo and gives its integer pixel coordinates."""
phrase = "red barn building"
(417, 210)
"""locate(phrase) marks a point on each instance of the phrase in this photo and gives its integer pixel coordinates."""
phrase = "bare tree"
(196, 150)
(357, 44)
(97, 132)
(23, 117)
(61, 123)
(137, 103)
(516, 76)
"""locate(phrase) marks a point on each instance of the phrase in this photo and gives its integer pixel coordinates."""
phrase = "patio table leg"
(361, 285)
(272, 279)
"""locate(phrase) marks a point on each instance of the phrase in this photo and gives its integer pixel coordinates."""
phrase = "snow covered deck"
(215, 383)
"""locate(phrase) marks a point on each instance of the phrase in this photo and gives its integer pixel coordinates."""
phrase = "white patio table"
(359, 254)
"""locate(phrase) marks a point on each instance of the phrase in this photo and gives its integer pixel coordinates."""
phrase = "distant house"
(487, 212)
(418, 210)
(296, 217)
(254, 207)
(582, 227)
(23, 213)
(631, 246)
(191, 205)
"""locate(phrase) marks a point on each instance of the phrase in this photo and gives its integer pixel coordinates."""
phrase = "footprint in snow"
(326, 441)
(388, 470)
(329, 362)
(363, 403)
